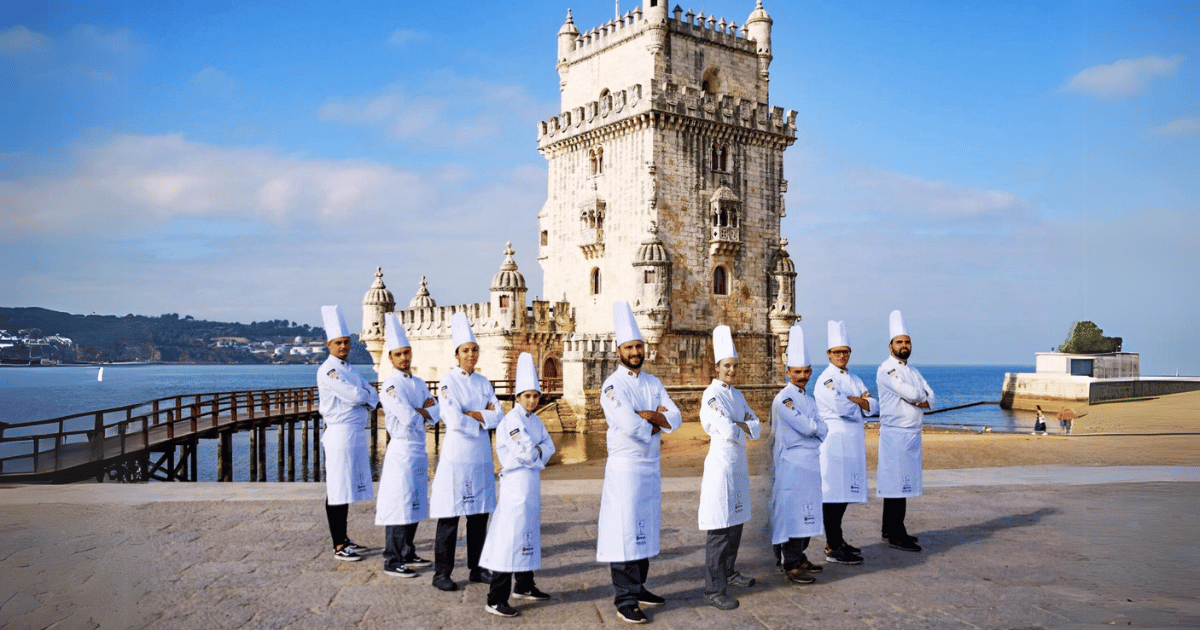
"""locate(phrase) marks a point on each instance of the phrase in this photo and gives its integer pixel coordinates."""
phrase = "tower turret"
(566, 43)
(508, 292)
(783, 307)
(376, 302)
(758, 29)
(652, 269)
(655, 12)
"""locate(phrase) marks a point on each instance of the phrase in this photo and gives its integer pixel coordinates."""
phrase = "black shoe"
(444, 583)
(646, 598)
(851, 548)
(400, 570)
(809, 567)
(737, 579)
(630, 613)
(721, 602)
(842, 555)
(354, 547)
(346, 555)
(502, 609)
(798, 576)
(417, 562)
(532, 593)
(904, 544)
(481, 576)
(887, 538)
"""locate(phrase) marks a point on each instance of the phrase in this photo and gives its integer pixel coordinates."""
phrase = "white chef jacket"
(725, 487)
(797, 431)
(404, 482)
(631, 501)
(901, 389)
(844, 451)
(514, 538)
(465, 481)
(346, 400)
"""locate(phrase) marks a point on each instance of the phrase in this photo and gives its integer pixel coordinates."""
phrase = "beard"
(903, 354)
(634, 362)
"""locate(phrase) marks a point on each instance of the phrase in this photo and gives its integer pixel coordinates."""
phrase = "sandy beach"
(1157, 431)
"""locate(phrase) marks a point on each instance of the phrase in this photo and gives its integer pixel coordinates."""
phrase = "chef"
(725, 487)
(465, 481)
(637, 409)
(403, 485)
(346, 401)
(904, 397)
(842, 402)
(797, 431)
(514, 539)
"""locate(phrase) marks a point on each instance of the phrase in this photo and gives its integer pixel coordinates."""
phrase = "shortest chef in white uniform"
(725, 487)
(346, 401)
(514, 539)
(904, 397)
(404, 483)
(465, 481)
(797, 431)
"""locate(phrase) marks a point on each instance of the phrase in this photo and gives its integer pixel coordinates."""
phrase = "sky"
(998, 171)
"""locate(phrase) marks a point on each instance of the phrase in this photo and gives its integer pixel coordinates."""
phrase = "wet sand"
(1158, 431)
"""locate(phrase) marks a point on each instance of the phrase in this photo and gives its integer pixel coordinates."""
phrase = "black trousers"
(720, 554)
(399, 546)
(447, 536)
(893, 517)
(629, 580)
(502, 583)
(337, 515)
(832, 514)
(790, 554)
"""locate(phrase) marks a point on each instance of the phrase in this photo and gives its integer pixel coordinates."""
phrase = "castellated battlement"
(434, 321)
(709, 28)
(669, 97)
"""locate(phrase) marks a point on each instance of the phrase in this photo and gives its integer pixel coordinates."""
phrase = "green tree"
(1088, 338)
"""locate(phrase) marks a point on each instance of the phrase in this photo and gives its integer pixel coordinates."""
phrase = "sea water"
(41, 393)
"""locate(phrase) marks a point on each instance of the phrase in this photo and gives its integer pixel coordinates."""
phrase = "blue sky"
(996, 170)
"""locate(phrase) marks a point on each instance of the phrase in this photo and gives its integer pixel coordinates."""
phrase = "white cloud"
(213, 81)
(402, 37)
(1124, 77)
(20, 38)
(1178, 127)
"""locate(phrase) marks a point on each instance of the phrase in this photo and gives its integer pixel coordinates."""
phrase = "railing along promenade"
(159, 439)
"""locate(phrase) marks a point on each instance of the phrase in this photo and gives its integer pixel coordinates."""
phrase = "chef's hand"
(426, 414)
(429, 402)
(656, 417)
(861, 401)
(475, 414)
(744, 427)
(490, 407)
(924, 405)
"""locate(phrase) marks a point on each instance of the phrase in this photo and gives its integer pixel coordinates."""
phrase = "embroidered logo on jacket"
(829, 384)
(333, 375)
(788, 403)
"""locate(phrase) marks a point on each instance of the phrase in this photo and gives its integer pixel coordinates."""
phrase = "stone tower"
(666, 189)
(376, 302)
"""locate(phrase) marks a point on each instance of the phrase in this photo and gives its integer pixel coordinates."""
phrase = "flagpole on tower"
(617, 8)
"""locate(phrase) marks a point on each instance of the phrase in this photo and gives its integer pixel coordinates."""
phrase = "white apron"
(725, 486)
(465, 481)
(899, 471)
(630, 510)
(796, 497)
(403, 486)
(844, 463)
(347, 464)
(514, 538)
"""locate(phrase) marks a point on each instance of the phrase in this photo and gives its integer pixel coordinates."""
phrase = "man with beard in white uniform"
(514, 539)
(797, 431)
(465, 482)
(346, 401)
(725, 487)
(904, 397)
(637, 408)
(842, 402)
(404, 483)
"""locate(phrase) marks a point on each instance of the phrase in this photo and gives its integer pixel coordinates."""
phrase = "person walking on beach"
(725, 487)
(403, 484)
(346, 400)
(842, 402)
(1039, 422)
(637, 409)
(797, 431)
(465, 481)
(904, 397)
(514, 539)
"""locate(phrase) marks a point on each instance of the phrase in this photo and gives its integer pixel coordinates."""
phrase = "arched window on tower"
(599, 160)
(720, 281)
(595, 164)
(724, 157)
(714, 158)
(595, 281)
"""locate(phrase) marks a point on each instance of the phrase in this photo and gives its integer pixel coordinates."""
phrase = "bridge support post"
(225, 456)
(316, 450)
(304, 448)
(262, 452)
(280, 443)
(291, 450)
(253, 454)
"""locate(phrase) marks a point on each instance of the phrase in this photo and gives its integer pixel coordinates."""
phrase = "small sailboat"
(100, 374)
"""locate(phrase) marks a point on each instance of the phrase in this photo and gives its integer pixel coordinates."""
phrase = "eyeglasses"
(840, 352)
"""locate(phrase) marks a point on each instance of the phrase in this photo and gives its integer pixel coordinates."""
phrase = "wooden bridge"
(159, 439)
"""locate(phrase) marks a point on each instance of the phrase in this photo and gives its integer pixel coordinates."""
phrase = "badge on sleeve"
(333, 375)
(391, 391)
(712, 402)
(829, 384)
(892, 373)
(788, 403)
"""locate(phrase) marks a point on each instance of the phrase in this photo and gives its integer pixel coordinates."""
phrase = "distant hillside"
(168, 338)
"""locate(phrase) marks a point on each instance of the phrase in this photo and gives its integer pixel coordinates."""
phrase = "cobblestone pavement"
(1004, 550)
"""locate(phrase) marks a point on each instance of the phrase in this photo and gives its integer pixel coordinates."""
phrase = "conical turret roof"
(508, 278)
(422, 299)
(378, 294)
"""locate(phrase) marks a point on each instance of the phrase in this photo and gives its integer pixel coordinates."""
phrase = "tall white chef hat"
(461, 329)
(797, 353)
(527, 376)
(896, 325)
(393, 333)
(838, 335)
(624, 324)
(723, 344)
(335, 324)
